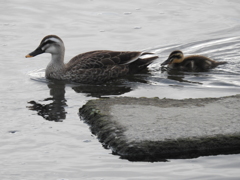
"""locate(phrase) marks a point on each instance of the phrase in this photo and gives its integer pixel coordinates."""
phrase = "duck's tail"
(220, 62)
(142, 62)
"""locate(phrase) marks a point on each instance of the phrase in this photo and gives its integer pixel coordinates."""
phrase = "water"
(42, 136)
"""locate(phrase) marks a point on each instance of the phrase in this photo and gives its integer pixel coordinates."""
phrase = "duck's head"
(50, 44)
(174, 57)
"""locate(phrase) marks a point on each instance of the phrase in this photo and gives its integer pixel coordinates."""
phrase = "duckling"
(176, 60)
(94, 67)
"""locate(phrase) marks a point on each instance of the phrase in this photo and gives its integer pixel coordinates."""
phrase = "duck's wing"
(201, 63)
(202, 60)
(96, 67)
(97, 75)
(198, 58)
(99, 59)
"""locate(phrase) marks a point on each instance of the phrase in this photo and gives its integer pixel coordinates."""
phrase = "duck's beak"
(28, 56)
(35, 53)
(168, 61)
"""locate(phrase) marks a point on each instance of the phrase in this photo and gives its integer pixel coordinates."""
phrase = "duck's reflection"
(179, 76)
(53, 108)
(99, 91)
(116, 87)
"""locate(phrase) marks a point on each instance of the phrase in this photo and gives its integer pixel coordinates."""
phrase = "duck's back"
(100, 66)
(99, 59)
(198, 63)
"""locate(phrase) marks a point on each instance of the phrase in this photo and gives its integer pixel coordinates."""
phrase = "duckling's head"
(174, 57)
(50, 44)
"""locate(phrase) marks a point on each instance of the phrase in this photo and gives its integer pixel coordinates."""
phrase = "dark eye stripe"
(48, 42)
(177, 56)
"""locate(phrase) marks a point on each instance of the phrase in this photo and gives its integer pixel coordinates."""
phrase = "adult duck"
(94, 67)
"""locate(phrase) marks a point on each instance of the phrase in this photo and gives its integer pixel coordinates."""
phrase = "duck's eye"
(174, 57)
(46, 44)
(177, 57)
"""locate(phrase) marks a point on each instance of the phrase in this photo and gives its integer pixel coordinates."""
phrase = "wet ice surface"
(35, 146)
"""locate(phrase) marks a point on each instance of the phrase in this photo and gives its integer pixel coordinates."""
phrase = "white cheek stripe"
(45, 47)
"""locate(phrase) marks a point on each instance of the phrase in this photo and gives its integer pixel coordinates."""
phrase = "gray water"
(42, 136)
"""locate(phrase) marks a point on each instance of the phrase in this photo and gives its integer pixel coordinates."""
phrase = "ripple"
(221, 49)
(38, 75)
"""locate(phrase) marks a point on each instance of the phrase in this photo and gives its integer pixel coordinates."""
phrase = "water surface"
(42, 136)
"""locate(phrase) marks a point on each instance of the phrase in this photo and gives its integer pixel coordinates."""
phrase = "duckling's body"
(176, 60)
(93, 67)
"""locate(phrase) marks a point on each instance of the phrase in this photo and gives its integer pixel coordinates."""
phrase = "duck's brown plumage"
(101, 66)
(93, 67)
(176, 60)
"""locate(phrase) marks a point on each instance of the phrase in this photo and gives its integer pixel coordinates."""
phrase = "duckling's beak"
(35, 53)
(168, 61)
